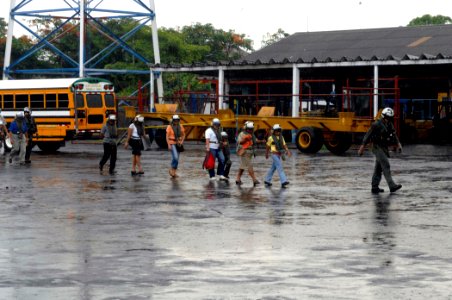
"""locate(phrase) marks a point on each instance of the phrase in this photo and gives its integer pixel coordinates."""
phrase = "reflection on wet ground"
(69, 232)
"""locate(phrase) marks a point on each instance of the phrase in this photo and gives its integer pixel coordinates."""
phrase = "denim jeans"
(276, 166)
(175, 156)
(218, 154)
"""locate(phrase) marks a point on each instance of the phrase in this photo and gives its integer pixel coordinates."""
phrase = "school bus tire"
(309, 140)
(339, 142)
(49, 147)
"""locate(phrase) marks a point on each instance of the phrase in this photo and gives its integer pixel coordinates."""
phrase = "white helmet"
(140, 119)
(1, 122)
(216, 121)
(112, 117)
(176, 117)
(20, 114)
(277, 127)
(224, 134)
(27, 109)
(249, 125)
(387, 112)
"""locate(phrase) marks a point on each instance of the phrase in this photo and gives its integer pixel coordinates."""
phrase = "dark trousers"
(382, 166)
(110, 152)
(28, 148)
(227, 166)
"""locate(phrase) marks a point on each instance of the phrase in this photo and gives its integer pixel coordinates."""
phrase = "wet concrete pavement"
(70, 233)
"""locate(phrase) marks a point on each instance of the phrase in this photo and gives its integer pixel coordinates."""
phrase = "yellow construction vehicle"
(312, 132)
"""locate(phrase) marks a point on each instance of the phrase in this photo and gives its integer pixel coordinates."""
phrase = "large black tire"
(160, 138)
(309, 140)
(339, 143)
(49, 147)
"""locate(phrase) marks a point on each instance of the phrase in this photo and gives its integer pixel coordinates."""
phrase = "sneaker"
(112, 172)
(395, 188)
(133, 173)
(28, 162)
(238, 182)
(267, 183)
(284, 184)
(212, 178)
(140, 172)
(377, 190)
(101, 168)
(224, 178)
(256, 182)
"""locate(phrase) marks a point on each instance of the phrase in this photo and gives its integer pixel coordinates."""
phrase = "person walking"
(213, 138)
(381, 135)
(32, 129)
(135, 133)
(226, 153)
(175, 136)
(109, 133)
(246, 143)
(278, 148)
(18, 134)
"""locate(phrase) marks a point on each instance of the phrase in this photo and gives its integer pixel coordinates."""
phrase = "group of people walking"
(20, 134)
(381, 135)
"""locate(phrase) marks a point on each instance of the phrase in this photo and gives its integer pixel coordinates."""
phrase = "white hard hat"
(388, 112)
(140, 119)
(26, 109)
(112, 117)
(249, 125)
(136, 117)
(277, 127)
(19, 114)
(176, 117)
(1, 122)
(216, 121)
(224, 134)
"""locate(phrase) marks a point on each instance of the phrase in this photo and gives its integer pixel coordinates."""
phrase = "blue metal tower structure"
(81, 13)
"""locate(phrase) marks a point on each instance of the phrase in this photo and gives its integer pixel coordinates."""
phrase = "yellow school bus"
(63, 108)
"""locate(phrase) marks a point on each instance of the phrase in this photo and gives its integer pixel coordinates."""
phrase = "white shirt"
(210, 134)
(134, 132)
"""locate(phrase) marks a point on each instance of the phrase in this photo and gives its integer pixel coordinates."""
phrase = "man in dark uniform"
(32, 129)
(382, 134)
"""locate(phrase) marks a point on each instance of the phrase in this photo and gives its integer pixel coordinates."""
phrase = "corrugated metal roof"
(347, 46)
(377, 44)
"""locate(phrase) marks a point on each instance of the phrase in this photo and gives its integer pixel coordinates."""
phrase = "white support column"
(9, 41)
(375, 90)
(81, 55)
(220, 87)
(151, 91)
(155, 45)
(295, 91)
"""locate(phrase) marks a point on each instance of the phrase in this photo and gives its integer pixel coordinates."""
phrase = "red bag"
(209, 161)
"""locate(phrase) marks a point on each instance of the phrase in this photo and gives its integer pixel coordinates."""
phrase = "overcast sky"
(256, 18)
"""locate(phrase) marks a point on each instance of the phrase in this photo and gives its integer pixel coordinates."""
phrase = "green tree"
(269, 39)
(430, 20)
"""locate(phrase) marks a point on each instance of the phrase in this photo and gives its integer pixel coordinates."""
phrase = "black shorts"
(137, 146)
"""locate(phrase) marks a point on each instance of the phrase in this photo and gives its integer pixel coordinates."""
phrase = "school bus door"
(80, 117)
(95, 111)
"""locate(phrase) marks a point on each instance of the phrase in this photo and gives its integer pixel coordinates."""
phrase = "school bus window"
(63, 101)
(8, 101)
(51, 101)
(109, 100)
(80, 102)
(21, 101)
(94, 100)
(37, 101)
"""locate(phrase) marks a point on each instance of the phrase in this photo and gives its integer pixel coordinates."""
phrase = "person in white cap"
(32, 129)
(382, 134)
(18, 134)
(226, 152)
(246, 143)
(213, 139)
(135, 133)
(175, 136)
(109, 133)
(278, 148)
